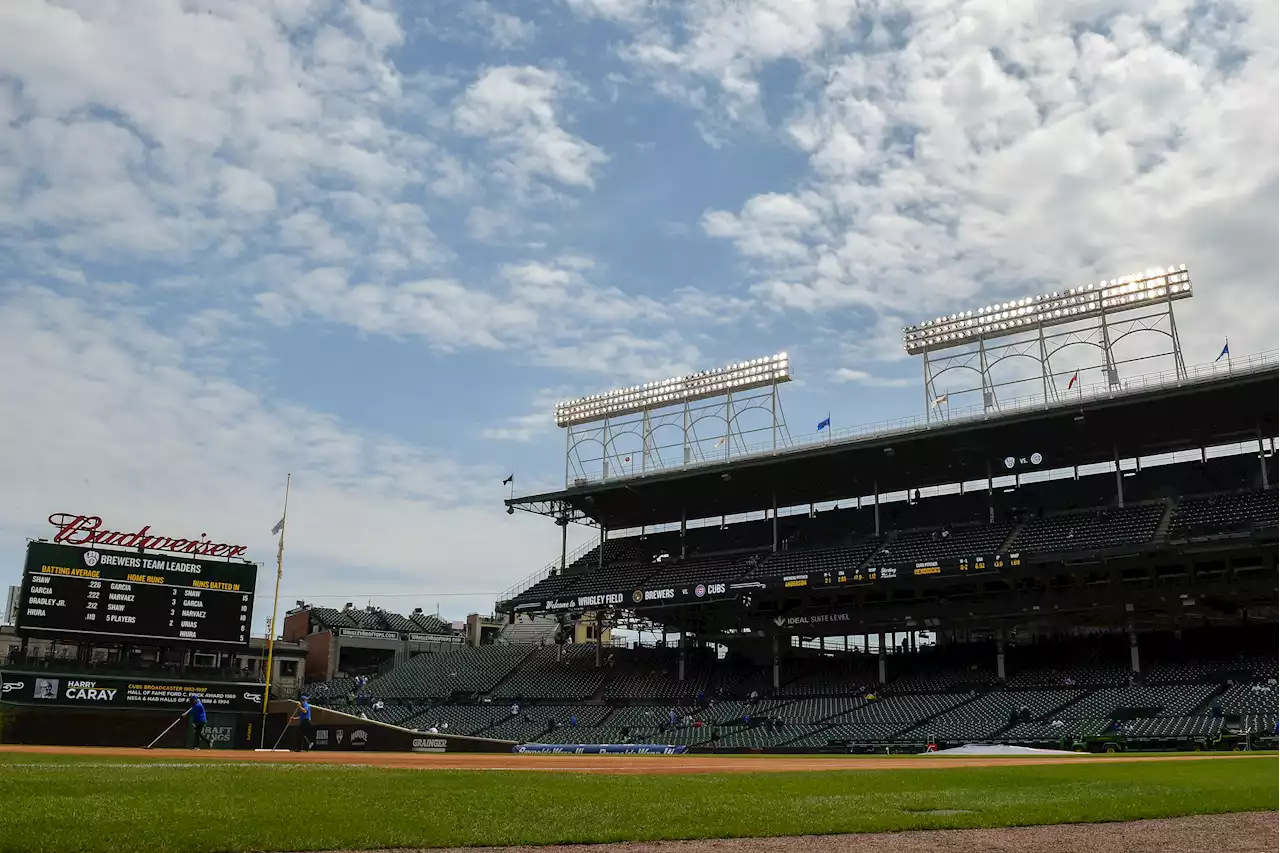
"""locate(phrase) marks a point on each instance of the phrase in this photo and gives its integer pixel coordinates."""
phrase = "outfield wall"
(62, 726)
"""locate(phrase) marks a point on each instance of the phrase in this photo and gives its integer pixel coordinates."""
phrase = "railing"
(946, 416)
(541, 574)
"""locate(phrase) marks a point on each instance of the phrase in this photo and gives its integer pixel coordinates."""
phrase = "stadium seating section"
(1046, 518)
(1196, 686)
(528, 688)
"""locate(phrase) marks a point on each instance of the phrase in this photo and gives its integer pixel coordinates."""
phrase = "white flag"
(279, 526)
(938, 401)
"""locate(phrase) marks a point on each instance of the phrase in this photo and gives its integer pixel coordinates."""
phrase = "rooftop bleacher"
(374, 619)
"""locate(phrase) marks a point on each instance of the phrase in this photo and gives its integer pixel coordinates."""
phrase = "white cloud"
(505, 31)
(550, 312)
(958, 153)
(243, 192)
(612, 10)
(534, 423)
(517, 110)
(771, 226)
(862, 377)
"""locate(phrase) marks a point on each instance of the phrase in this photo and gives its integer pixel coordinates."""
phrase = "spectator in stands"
(378, 705)
(515, 709)
(671, 717)
(573, 720)
(755, 696)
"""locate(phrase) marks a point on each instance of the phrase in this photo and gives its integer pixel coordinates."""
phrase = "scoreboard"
(92, 593)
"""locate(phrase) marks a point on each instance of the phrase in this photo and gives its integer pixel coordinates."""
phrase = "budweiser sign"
(87, 530)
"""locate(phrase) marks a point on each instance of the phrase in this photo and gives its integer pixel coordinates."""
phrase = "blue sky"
(372, 243)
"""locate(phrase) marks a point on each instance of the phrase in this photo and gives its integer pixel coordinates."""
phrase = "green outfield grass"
(58, 804)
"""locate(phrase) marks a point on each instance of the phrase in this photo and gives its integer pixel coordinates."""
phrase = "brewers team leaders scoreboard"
(97, 593)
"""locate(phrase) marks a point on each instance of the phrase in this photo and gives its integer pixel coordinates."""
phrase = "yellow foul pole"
(275, 606)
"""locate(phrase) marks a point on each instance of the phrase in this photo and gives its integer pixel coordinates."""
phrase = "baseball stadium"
(1040, 613)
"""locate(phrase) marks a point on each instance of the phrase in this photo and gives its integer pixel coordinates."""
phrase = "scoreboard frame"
(133, 572)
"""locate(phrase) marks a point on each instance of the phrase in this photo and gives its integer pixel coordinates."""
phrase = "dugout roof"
(1196, 414)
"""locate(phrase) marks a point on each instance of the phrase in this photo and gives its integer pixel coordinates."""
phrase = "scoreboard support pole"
(275, 605)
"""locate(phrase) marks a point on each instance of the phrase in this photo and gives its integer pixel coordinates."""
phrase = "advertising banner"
(75, 592)
(600, 749)
(58, 689)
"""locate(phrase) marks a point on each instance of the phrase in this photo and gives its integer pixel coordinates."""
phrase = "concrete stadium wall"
(127, 727)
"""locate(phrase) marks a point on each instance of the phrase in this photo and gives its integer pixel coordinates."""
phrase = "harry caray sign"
(46, 688)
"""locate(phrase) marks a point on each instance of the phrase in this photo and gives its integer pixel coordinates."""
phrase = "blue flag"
(1226, 352)
(824, 423)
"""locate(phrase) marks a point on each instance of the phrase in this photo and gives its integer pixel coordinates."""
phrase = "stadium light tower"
(1096, 315)
(630, 425)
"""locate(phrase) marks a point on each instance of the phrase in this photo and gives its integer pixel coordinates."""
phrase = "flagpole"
(1226, 347)
(275, 605)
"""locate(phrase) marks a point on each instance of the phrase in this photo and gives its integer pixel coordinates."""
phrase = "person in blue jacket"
(306, 738)
(197, 716)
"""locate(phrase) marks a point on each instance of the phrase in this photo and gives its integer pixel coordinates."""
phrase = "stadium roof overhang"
(1144, 423)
